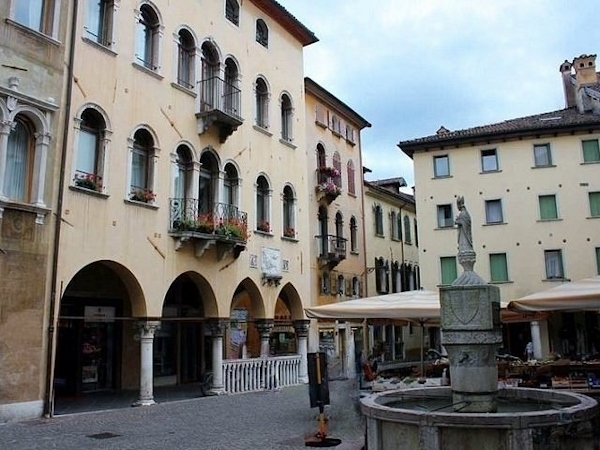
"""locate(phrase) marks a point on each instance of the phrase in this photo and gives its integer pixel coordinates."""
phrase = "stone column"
(264, 327)
(301, 328)
(217, 329)
(536, 339)
(350, 353)
(147, 330)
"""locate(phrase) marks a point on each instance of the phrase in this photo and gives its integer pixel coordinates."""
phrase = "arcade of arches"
(106, 341)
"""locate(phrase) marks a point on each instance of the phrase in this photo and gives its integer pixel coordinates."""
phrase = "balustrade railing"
(217, 94)
(187, 214)
(259, 374)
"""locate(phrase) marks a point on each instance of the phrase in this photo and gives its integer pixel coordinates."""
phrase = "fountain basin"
(424, 419)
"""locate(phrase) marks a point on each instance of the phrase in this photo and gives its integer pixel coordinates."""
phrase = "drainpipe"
(49, 394)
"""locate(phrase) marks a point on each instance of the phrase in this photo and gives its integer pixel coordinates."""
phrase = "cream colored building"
(335, 211)
(183, 237)
(532, 189)
(392, 256)
(33, 43)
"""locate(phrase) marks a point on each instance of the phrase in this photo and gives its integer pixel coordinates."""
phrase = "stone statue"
(463, 222)
(466, 254)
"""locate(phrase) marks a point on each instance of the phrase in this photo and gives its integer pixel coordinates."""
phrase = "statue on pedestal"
(466, 254)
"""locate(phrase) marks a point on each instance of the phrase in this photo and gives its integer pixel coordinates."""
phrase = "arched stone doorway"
(96, 331)
(247, 309)
(182, 344)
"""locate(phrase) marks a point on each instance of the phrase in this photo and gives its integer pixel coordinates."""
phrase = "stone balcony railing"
(260, 374)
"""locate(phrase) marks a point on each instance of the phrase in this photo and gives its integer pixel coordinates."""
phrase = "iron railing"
(217, 94)
(188, 215)
(331, 246)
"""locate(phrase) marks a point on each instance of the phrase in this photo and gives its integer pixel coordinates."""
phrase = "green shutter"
(498, 267)
(548, 207)
(448, 266)
(591, 151)
(595, 204)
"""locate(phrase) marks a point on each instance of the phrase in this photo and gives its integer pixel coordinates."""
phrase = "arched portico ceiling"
(207, 295)
(289, 295)
(95, 278)
(249, 288)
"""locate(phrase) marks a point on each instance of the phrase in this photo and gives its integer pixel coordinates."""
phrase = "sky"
(411, 66)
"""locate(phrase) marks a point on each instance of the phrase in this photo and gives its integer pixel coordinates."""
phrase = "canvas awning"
(582, 295)
(416, 306)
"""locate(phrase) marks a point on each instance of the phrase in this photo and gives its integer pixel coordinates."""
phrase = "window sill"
(35, 33)
(483, 172)
(150, 72)
(289, 239)
(99, 46)
(408, 242)
(39, 211)
(142, 204)
(552, 280)
(354, 252)
(263, 233)
(593, 217)
(262, 130)
(491, 224)
(449, 227)
(288, 143)
(543, 167)
(183, 89)
(441, 177)
(585, 163)
(88, 192)
(352, 194)
(380, 235)
(502, 282)
(556, 219)
(321, 124)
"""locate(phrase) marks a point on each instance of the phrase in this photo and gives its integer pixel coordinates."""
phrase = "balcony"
(219, 107)
(328, 184)
(224, 226)
(332, 250)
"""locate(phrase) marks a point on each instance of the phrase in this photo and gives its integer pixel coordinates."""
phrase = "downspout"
(51, 349)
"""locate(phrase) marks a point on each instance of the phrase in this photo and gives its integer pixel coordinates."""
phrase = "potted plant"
(263, 225)
(330, 172)
(142, 195)
(329, 188)
(289, 232)
(234, 229)
(88, 181)
(205, 223)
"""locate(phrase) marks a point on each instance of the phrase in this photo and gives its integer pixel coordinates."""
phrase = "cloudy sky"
(410, 66)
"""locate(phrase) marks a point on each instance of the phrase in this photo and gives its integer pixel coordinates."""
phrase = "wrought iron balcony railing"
(220, 104)
(222, 221)
(332, 249)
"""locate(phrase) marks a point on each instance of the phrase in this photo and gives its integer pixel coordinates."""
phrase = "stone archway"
(247, 309)
(182, 346)
(96, 331)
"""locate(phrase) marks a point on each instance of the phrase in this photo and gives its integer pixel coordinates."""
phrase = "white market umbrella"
(581, 295)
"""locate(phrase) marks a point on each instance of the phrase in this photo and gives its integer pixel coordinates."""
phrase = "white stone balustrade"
(259, 374)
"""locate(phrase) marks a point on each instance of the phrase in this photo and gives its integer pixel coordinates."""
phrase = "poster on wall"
(238, 335)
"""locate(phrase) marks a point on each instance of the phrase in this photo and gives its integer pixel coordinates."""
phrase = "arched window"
(351, 180)
(183, 175)
(340, 285)
(407, 238)
(262, 205)
(231, 91)
(89, 164)
(262, 103)
(355, 287)
(321, 158)
(286, 118)
(339, 226)
(378, 211)
(207, 184)
(209, 92)
(231, 185)
(337, 165)
(353, 235)
(262, 33)
(394, 225)
(289, 223)
(399, 225)
(99, 21)
(19, 161)
(186, 53)
(142, 167)
(232, 11)
(148, 38)
(323, 231)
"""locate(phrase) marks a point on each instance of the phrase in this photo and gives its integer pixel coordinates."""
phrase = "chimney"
(568, 84)
(585, 70)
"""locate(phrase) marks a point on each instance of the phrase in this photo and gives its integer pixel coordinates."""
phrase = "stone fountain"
(474, 413)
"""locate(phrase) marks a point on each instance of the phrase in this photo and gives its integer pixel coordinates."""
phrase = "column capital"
(147, 328)
(264, 327)
(217, 326)
(301, 327)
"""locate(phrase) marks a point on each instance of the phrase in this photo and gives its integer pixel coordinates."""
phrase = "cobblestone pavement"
(277, 420)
